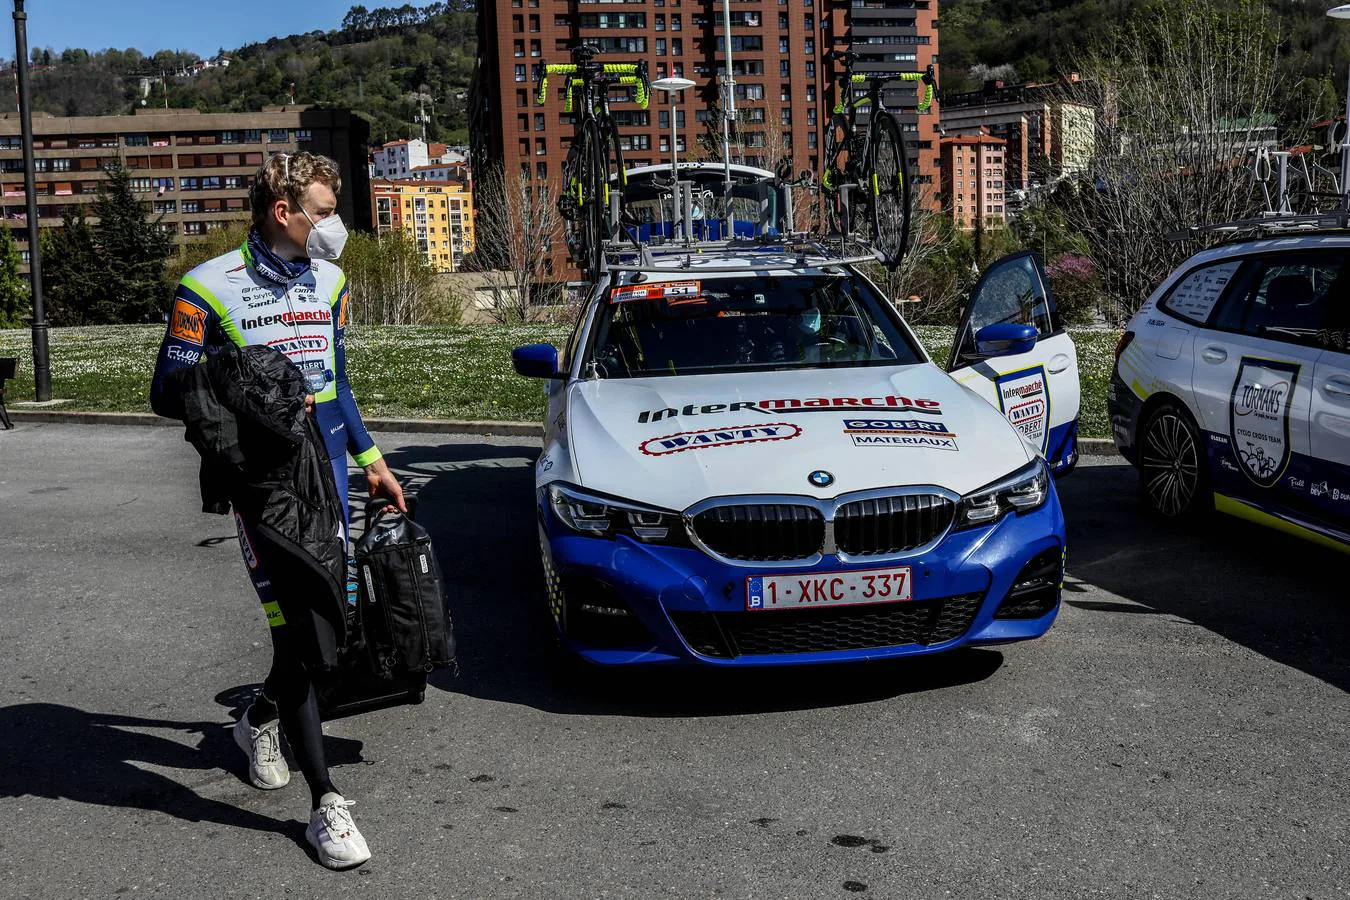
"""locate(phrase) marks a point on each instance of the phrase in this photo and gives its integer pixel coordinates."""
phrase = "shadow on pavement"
(1280, 596)
(477, 501)
(60, 752)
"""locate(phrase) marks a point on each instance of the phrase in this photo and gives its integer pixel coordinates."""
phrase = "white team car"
(1231, 388)
(749, 459)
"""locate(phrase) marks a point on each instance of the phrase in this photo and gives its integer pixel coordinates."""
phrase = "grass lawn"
(457, 372)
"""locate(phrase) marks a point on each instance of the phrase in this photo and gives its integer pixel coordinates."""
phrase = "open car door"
(1011, 349)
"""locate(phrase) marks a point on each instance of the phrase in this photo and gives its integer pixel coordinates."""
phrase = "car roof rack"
(1277, 173)
(792, 251)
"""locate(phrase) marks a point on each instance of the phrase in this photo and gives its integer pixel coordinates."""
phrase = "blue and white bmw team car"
(1232, 386)
(749, 459)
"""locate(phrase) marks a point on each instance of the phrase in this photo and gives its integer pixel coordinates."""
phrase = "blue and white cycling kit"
(251, 296)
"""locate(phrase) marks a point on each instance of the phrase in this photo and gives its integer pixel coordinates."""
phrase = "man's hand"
(309, 403)
(384, 484)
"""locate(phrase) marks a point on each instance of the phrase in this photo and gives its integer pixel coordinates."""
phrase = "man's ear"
(281, 211)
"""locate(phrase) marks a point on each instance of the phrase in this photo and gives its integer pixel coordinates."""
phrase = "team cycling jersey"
(251, 296)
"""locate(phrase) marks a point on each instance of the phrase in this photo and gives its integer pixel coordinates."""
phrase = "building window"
(230, 137)
(810, 70)
(810, 115)
(783, 71)
(660, 23)
(534, 24)
(675, 21)
(536, 49)
(810, 93)
(138, 140)
(520, 72)
(810, 45)
(194, 228)
(785, 116)
(811, 142)
(660, 46)
(303, 136)
(518, 48)
(142, 185)
(278, 135)
(237, 182)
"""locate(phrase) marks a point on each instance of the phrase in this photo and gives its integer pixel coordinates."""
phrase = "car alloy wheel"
(1170, 463)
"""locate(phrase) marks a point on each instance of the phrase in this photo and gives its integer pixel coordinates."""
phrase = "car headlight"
(599, 515)
(1022, 491)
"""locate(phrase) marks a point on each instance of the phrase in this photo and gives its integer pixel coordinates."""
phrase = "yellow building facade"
(438, 215)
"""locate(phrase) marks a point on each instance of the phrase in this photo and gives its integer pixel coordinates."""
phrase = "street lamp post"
(1343, 12)
(674, 86)
(42, 369)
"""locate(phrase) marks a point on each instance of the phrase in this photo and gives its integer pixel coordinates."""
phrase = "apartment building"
(398, 159)
(972, 179)
(1048, 135)
(783, 83)
(438, 216)
(193, 169)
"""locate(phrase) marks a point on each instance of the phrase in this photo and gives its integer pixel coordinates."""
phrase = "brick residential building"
(1048, 135)
(973, 179)
(437, 215)
(193, 169)
(783, 88)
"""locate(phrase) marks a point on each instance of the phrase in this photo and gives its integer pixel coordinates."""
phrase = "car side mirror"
(537, 361)
(1005, 339)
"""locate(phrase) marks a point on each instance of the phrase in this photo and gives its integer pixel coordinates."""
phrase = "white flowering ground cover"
(450, 372)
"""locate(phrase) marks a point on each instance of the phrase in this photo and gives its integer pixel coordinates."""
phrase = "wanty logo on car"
(718, 437)
(305, 343)
(892, 403)
(900, 433)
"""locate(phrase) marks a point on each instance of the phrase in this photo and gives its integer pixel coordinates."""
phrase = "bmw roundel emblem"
(820, 478)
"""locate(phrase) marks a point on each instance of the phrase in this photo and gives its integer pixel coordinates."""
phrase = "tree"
(517, 227)
(391, 281)
(71, 271)
(15, 302)
(132, 251)
(1184, 93)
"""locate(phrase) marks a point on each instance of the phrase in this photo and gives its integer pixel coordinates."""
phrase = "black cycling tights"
(288, 694)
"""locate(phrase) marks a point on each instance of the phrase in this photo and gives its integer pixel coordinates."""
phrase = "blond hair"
(286, 176)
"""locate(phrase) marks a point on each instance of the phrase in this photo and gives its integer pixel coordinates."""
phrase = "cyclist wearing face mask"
(280, 288)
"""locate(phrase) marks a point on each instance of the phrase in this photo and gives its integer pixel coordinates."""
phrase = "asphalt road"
(1183, 731)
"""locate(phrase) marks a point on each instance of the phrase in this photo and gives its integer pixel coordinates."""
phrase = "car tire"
(1173, 466)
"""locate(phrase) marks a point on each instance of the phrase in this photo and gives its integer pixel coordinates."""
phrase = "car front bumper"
(621, 602)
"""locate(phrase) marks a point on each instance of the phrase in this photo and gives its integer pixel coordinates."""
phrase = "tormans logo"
(305, 343)
(287, 318)
(891, 404)
(718, 437)
(187, 322)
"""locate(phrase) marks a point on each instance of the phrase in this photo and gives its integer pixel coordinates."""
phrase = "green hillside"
(1035, 40)
(376, 64)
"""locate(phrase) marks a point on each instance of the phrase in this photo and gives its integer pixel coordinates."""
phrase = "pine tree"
(71, 271)
(131, 250)
(14, 301)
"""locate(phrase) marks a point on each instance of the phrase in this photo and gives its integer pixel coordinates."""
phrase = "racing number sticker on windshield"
(1025, 401)
(1259, 418)
(674, 291)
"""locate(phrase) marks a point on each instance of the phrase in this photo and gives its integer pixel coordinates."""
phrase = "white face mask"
(326, 238)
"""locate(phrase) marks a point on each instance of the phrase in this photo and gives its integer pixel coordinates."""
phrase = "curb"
(1086, 446)
(433, 426)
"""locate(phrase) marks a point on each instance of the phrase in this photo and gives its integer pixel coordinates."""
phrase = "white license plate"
(828, 589)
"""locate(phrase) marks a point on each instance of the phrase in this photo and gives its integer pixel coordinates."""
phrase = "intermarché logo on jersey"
(287, 318)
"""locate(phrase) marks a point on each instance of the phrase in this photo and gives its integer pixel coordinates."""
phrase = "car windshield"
(691, 326)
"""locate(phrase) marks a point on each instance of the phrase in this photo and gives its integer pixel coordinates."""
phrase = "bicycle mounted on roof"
(590, 209)
(873, 165)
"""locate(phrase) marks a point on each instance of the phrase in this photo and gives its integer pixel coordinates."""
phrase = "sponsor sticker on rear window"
(674, 291)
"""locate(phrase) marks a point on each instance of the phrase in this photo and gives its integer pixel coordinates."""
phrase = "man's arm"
(191, 319)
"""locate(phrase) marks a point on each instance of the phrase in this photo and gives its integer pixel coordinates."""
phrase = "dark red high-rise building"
(783, 89)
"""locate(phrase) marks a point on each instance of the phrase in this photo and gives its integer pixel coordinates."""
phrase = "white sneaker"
(266, 766)
(333, 834)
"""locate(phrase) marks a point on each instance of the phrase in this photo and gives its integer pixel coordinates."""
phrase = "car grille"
(922, 622)
(891, 524)
(761, 531)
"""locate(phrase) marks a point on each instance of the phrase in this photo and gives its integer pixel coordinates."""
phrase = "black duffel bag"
(405, 620)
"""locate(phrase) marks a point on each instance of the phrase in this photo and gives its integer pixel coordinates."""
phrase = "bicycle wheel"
(836, 173)
(889, 189)
(569, 202)
(614, 167)
(594, 199)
